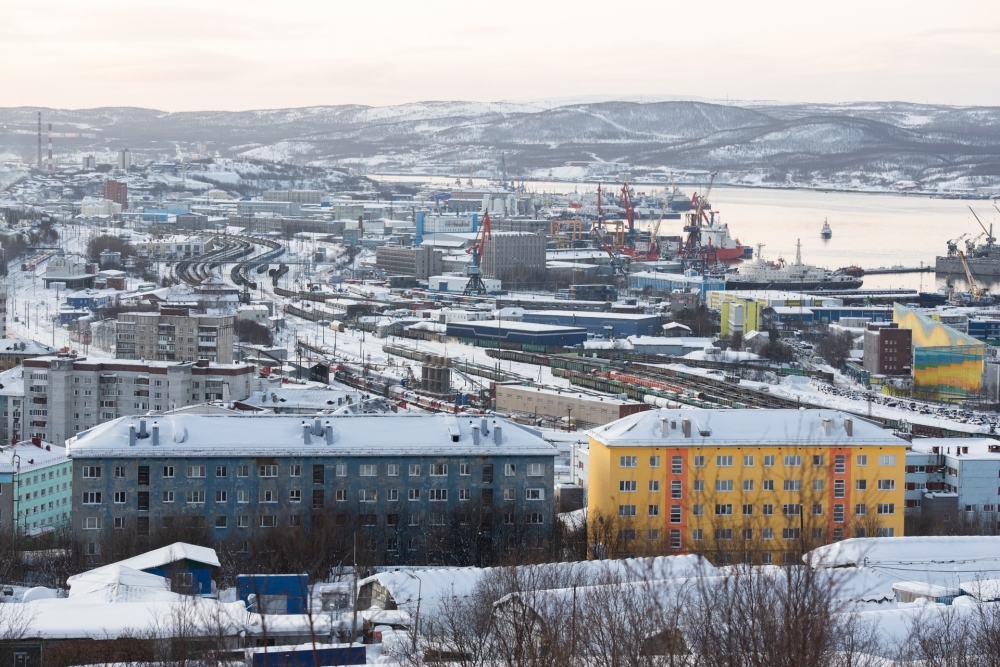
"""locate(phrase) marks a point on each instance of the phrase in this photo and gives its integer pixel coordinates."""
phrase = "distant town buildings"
(116, 191)
(297, 196)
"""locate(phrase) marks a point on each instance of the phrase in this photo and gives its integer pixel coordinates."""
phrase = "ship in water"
(708, 238)
(826, 232)
(982, 259)
(762, 274)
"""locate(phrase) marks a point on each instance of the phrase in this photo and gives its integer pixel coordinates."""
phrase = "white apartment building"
(64, 395)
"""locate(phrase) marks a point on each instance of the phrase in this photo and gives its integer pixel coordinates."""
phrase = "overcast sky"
(229, 54)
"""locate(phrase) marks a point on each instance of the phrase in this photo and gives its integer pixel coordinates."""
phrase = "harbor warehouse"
(523, 333)
(620, 324)
(719, 480)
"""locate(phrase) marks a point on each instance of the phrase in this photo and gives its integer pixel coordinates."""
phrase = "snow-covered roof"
(12, 382)
(978, 448)
(31, 347)
(31, 456)
(302, 399)
(909, 553)
(164, 555)
(924, 589)
(403, 434)
(118, 583)
(758, 427)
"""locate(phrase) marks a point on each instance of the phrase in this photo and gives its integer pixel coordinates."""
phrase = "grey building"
(945, 476)
(407, 478)
(256, 207)
(514, 256)
(64, 395)
(422, 263)
(175, 334)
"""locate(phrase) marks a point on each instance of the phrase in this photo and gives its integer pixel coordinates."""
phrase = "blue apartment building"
(403, 476)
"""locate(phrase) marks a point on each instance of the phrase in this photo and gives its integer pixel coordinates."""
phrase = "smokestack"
(664, 427)
(828, 426)
(317, 429)
(849, 426)
(475, 435)
(39, 140)
(50, 166)
(686, 427)
(497, 435)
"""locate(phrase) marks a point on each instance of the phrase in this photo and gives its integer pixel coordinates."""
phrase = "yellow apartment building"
(766, 483)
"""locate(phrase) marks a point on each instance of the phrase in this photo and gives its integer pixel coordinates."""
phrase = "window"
(817, 459)
(534, 494)
(243, 521)
(370, 495)
(675, 514)
(92, 523)
(675, 488)
(748, 510)
(723, 485)
(509, 469)
(654, 510)
(723, 510)
(267, 471)
(861, 509)
(748, 485)
(793, 460)
(793, 485)
(839, 488)
(675, 539)
(699, 485)
(699, 462)
(768, 460)
(838, 513)
(168, 472)
(91, 497)
(463, 494)
(723, 533)
(414, 470)
(221, 471)
(817, 485)
(840, 464)
(392, 470)
(413, 494)
(319, 474)
(91, 472)
(487, 473)
(627, 486)
(887, 460)
(368, 470)
(654, 461)
(748, 461)
(142, 501)
(466, 469)
(698, 510)
(887, 485)
(654, 486)
(242, 496)
(767, 533)
(194, 471)
(119, 472)
(340, 470)
(533, 518)
(862, 460)
(628, 461)
(535, 469)
(626, 510)
(119, 497)
(885, 532)
(508, 494)
(221, 496)
(817, 509)
(791, 533)
(295, 496)
(625, 535)
(768, 485)
(168, 496)
(861, 484)
(119, 522)
(697, 534)
(748, 533)
(243, 471)
(676, 465)
(295, 470)
(267, 521)
(195, 497)
(791, 509)
(413, 519)
(220, 521)
(886, 508)
(724, 461)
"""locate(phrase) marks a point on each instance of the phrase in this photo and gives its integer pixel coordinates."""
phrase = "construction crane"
(625, 201)
(476, 286)
(975, 290)
(990, 240)
(694, 223)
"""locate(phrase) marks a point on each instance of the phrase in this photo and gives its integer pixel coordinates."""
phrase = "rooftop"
(31, 347)
(978, 448)
(276, 435)
(30, 456)
(776, 428)
(12, 382)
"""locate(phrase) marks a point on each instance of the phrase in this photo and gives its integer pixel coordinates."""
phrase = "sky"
(181, 55)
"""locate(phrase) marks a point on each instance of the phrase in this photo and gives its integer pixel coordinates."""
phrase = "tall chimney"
(664, 427)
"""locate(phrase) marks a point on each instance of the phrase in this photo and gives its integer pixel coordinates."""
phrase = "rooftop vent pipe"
(484, 427)
(664, 427)
(317, 428)
(131, 435)
(686, 427)
(828, 426)
(142, 428)
(497, 435)
(156, 434)
(328, 429)
(306, 438)
(849, 426)
(475, 435)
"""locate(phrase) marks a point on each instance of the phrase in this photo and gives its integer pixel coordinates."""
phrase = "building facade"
(11, 399)
(175, 334)
(422, 263)
(584, 410)
(733, 482)
(401, 476)
(951, 477)
(3, 309)
(64, 395)
(888, 350)
(13, 351)
(117, 192)
(36, 487)
(514, 256)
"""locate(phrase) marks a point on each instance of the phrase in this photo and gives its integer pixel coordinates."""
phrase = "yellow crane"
(975, 290)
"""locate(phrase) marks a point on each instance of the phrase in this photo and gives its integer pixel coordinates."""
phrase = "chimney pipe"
(131, 435)
(142, 428)
(156, 434)
(329, 433)
(664, 427)
(483, 427)
(317, 428)
(686, 427)
(828, 426)
(305, 434)
(849, 426)
(497, 435)
(475, 435)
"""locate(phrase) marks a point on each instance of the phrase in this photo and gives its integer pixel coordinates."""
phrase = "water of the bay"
(869, 230)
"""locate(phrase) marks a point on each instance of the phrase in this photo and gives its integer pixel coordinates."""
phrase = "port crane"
(990, 239)
(975, 290)
(694, 222)
(476, 286)
(614, 253)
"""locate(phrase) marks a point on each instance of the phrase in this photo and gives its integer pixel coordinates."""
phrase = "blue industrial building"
(802, 315)
(274, 593)
(598, 323)
(669, 282)
(986, 329)
(406, 477)
(529, 333)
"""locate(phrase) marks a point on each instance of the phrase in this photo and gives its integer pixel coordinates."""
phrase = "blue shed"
(188, 567)
(305, 655)
(275, 593)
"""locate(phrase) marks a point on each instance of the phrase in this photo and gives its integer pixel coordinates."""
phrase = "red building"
(888, 349)
(116, 192)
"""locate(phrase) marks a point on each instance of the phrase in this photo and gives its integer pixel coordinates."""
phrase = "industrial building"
(297, 196)
(257, 207)
(521, 333)
(949, 476)
(669, 282)
(457, 283)
(514, 257)
(602, 324)
(67, 394)
(35, 487)
(405, 477)
(947, 364)
(175, 334)
(718, 479)
(583, 410)
(888, 349)
(422, 262)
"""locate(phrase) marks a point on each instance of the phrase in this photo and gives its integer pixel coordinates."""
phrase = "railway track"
(194, 271)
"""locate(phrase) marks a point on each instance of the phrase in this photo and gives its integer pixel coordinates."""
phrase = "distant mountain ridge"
(865, 143)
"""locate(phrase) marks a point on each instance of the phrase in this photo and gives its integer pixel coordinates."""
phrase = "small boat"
(826, 232)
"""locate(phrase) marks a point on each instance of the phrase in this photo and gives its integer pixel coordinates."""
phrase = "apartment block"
(175, 334)
(946, 477)
(421, 263)
(405, 477)
(584, 410)
(514, 255)
(738, 482)
(3, 309)
(888, 350)
(65, 395)
(297, 196)
(35, 487)
(117, 192)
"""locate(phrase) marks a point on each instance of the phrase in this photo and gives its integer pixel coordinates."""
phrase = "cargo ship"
(983, 260)
(761, 274)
